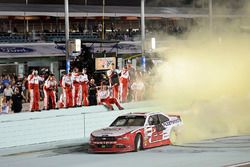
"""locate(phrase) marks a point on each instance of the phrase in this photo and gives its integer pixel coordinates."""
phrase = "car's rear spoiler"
(178, 116)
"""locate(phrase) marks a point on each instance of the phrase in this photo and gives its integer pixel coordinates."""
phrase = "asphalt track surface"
(221, 152)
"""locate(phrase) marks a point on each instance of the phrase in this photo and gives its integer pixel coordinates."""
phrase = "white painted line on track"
(243, 164)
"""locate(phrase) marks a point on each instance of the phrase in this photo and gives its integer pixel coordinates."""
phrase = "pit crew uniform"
(76, 86)
(114, 82)
(106, 100)
(83, 78)
(33, 81)
(124, 84)
(50, 87)
(67, 91)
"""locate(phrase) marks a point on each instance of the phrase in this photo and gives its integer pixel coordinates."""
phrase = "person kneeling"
(106, 100)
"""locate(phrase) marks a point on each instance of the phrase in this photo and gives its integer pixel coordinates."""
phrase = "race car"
(136, 131)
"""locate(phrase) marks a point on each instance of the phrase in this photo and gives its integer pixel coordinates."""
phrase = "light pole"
(27, 21)
(143, 59)
(86, 20)
(66, 15)
(211, 15)
(103, 17)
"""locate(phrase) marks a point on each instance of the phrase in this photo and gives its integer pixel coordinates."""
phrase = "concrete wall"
(56, 125)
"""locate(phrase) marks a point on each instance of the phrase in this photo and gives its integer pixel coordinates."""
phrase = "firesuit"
(33, 81)
(84, 88)
(114, 81)
(50, 87)
(124, 79)
(76, 86)
(106, 100)
(67, 91)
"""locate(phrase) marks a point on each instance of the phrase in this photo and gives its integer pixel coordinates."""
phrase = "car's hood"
(114, 131)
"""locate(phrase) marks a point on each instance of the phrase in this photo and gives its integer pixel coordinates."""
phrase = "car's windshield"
(129, 121)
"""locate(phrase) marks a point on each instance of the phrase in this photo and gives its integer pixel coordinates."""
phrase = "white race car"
(135, 131)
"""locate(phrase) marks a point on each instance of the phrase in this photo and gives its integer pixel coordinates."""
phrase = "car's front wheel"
(138, 142)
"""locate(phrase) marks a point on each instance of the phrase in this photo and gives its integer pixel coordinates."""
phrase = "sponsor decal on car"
(171, 122)
(104, 142)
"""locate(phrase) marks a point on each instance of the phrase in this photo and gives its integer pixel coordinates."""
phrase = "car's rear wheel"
(173, 137)
(138, 142)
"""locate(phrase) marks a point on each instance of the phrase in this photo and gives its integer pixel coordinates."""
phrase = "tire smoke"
(206, 79)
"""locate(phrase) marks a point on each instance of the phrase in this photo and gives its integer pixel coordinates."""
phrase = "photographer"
(17, 98)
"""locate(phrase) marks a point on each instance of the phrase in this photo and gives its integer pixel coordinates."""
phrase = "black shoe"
(111, 109)
(121, 108)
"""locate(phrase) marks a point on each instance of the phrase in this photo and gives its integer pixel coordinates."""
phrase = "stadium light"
(66, 15)
(211, 15)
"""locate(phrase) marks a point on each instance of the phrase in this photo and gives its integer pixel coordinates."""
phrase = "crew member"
(76, 87)
(113, 75)
(106, 100)
(92, 93)
(67, 91)
(50, 88)
(124, 84)
(84, 87)
(33, 81)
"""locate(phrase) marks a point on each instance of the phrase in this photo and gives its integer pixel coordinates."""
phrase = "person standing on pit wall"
(84, 87)
(76, 87)
(50, 87)
(92, 93)
(67, 90)
(34, 80)
(124, 78)
(113, 75)
(106, 100)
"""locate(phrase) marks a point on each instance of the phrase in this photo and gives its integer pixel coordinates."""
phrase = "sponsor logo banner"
(15, 50)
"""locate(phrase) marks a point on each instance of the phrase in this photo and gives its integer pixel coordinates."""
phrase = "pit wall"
(57, 125)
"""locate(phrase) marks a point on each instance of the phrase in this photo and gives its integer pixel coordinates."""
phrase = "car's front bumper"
(111, 147)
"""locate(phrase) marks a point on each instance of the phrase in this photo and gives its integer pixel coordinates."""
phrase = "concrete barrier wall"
(56, 125)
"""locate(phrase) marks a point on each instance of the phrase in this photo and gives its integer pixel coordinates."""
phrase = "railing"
(60, 36)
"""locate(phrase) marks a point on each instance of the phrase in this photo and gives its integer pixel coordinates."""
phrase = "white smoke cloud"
(206, 79)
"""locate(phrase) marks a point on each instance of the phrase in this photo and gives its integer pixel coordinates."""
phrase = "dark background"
(108, 2)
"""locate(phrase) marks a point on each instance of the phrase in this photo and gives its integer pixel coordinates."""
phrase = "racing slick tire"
(173, 137)
(138, 142)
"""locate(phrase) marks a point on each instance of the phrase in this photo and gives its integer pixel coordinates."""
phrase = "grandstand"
(39, 21)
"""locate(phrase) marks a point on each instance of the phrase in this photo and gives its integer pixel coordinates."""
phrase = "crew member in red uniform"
(33, 81)
(50, 87)
(76, 87)
(113, 75)
(124, 78)
(67, 91)
(106, 100)
(84, 81)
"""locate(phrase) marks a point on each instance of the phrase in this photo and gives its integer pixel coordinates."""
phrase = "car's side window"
(163, 118)
(153, 120)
